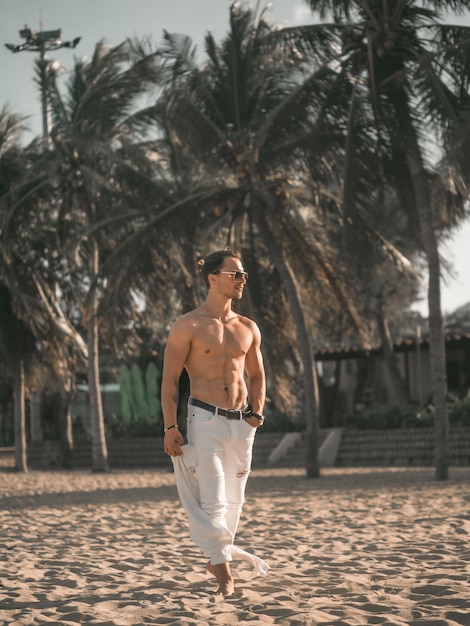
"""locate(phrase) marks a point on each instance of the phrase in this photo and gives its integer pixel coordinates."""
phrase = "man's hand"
(173, 441)
(252, 421)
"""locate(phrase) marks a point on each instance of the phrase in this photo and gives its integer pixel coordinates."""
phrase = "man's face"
(229, 284)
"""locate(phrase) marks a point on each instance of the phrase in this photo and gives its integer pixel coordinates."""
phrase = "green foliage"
(152, 389)
(279, 422)
(140, 402)
(141, 410)
(408, 416)
(386, 417)
(459, 411)
(125, 391)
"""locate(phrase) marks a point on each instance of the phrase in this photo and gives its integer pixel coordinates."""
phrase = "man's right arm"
(176, 353)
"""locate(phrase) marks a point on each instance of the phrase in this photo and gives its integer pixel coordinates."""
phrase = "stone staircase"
(367, 448)
(139, 452)
(403, 448)
(264, 444)
(295, 457)
(144, 452)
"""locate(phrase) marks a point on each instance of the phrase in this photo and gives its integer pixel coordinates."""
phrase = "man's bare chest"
(223, 339)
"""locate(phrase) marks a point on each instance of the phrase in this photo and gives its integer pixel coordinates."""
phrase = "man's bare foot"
(224, 577)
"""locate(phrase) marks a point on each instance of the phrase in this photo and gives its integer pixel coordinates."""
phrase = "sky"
(114, 21)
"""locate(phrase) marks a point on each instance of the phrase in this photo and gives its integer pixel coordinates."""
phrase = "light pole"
(42, 41)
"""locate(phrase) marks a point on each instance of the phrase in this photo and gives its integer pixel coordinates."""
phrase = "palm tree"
(32, 320)
(83, 176)
(247, 117)
(401, 56)
(16, 345)
(15, 340)
(30, 313)
(92, 139)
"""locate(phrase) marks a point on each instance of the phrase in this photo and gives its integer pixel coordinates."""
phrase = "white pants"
(211, 477)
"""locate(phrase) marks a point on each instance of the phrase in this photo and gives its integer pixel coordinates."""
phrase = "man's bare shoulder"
(194, 319)
(188, 321)
(246, 321)
(250, 325)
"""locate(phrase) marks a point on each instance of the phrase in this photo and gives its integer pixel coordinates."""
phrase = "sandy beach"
(355, 547)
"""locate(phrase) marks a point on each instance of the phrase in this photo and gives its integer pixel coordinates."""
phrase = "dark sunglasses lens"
(241, 275)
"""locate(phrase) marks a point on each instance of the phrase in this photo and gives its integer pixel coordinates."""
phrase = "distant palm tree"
(15, 339)
(83, 176)
(404, 58)
(16, 346)
(32, 321)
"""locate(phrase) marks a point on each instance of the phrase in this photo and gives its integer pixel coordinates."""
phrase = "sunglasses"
(236, 275)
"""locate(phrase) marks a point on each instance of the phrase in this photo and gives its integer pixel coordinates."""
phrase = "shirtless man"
(220, 351)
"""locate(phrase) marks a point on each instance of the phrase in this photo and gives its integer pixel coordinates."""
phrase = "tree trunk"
(436, 326)
(21, 460)
(398, 384)
(65, 420)
(98, 438)
(437, 352)
(311, 397)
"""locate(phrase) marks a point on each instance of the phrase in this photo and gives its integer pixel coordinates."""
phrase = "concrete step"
(132, 452)
(382, 448)
(122, 453)
(296, 456)
(264, 444)
(404, 447)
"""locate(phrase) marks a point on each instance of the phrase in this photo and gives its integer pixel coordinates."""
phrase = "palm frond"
(12, 126)
(317, 43)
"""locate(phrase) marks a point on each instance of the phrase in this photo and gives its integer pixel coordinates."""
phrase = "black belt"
(230, 414)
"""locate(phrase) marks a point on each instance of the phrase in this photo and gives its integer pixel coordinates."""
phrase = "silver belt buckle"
(234, 414)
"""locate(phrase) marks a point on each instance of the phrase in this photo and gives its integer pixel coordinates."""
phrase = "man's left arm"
(256, 380)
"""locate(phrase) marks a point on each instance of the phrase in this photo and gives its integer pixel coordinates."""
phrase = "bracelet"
(259, 417)
(170, 427)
